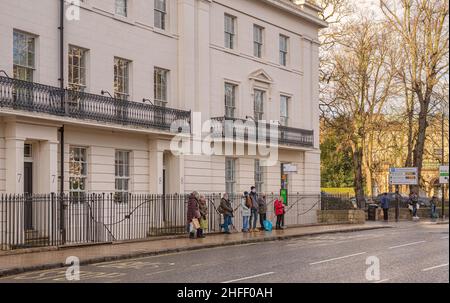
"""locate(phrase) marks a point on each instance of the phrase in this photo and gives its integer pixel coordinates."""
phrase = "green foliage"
(336, 162)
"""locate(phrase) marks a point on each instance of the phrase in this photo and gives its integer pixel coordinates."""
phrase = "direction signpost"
(402, 176)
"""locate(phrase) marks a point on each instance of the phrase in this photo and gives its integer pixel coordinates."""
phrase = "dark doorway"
(28, 191)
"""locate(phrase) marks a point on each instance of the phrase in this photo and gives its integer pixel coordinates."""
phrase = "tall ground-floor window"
(230, 175)
(78, 166)
(122, 173)
(259, 176)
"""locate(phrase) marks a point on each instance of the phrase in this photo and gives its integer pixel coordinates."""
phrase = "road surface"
(410, 252)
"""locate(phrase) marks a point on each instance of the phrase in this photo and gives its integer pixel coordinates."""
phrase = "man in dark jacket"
(192, 212)
(385, 206)
(262, 209)
(254, 209)
(227, 210)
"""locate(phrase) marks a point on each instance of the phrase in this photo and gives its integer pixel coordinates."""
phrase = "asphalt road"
(412, 252)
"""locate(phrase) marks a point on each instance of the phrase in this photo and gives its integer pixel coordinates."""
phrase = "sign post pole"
(397, 204)
(443, 179)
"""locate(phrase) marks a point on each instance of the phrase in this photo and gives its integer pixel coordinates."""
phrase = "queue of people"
(254, 210)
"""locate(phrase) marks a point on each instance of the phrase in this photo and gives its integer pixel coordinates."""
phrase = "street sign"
(403, 176)
(443, 174)
(289, 168)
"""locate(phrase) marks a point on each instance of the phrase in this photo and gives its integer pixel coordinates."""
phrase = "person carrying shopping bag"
(203, 208)
(193, 214)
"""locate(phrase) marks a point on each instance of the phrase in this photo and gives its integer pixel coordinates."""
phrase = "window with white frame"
(160, 14)
(259, 104)
(160, 86)
(122, 8)
(121, 78)
(284, 110)
(230, 31)
(122, 173)
(77, 68)
(230, 100)
(78, 167)
(259, 176)
(23, 56)
(284, 41)
(230, 175)
(257, 40)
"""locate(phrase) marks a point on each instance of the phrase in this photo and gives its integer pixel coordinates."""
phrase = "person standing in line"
(279, 212)
(193, 212)
(433, 203)
(227, 210)
(385, 206)
(254, 209)
(262, 209)
(246, 205)
(203, 208)
(414, 201)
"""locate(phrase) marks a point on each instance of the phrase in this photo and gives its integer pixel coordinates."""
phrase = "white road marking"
(338, 258)
(444, 238)
(434, 267)
(159, 272)
(381, 281)
(251, 277)
(407, 244)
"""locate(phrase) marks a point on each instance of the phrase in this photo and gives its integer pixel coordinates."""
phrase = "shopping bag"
(268, 225)
(196, 223)
(204, 224)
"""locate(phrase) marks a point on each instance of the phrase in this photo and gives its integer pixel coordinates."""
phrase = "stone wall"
(354, 216)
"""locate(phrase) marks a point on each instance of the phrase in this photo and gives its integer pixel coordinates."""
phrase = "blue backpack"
(268, 225)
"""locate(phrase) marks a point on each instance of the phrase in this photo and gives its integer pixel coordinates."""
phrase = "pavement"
(408, 252)
(16, 262)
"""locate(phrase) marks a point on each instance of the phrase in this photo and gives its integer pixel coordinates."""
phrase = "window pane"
(121, 7)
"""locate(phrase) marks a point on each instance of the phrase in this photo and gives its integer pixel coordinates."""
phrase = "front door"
(28, 191)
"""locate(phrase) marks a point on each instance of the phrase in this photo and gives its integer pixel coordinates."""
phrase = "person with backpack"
(254, 209)
(193, 213)
(226, 209)
(246, 205)
(262, 209)
(279, 212)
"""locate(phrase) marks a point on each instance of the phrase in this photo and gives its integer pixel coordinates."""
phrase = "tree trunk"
(420, 142)
(359, 179)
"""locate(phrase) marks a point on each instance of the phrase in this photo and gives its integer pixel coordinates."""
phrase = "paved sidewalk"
(11, 264)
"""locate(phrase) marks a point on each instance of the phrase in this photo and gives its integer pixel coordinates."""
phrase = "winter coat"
(262, 206)
(203, 208)
(279, 207)
(245, 209)
(384, 202)
(254, 197)
(226, 207)
(192, 209)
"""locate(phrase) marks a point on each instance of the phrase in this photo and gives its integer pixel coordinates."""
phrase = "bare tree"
(422, 26)
(359, 85)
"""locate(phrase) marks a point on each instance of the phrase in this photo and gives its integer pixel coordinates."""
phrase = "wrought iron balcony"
(34, 97)
(243, 131)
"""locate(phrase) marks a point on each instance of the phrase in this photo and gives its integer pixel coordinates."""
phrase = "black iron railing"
(58, 220)
(34, 97)
(248, 130)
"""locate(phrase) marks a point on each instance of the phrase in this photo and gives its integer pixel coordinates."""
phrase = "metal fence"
(58, 220)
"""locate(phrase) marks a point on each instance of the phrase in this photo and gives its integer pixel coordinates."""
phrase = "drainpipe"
(61, 130)
(61, 81)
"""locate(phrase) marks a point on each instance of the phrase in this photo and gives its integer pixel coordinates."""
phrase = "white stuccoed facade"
(192, 49)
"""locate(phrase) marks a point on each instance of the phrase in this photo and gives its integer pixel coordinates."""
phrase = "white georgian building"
(233, 58)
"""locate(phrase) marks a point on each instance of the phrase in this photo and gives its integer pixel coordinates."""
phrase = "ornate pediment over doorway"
(261, 76)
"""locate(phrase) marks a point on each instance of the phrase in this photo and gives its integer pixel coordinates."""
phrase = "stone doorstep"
(94, 260)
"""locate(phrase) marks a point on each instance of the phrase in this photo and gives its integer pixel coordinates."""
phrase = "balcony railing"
(34, 97)
(240, 129)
